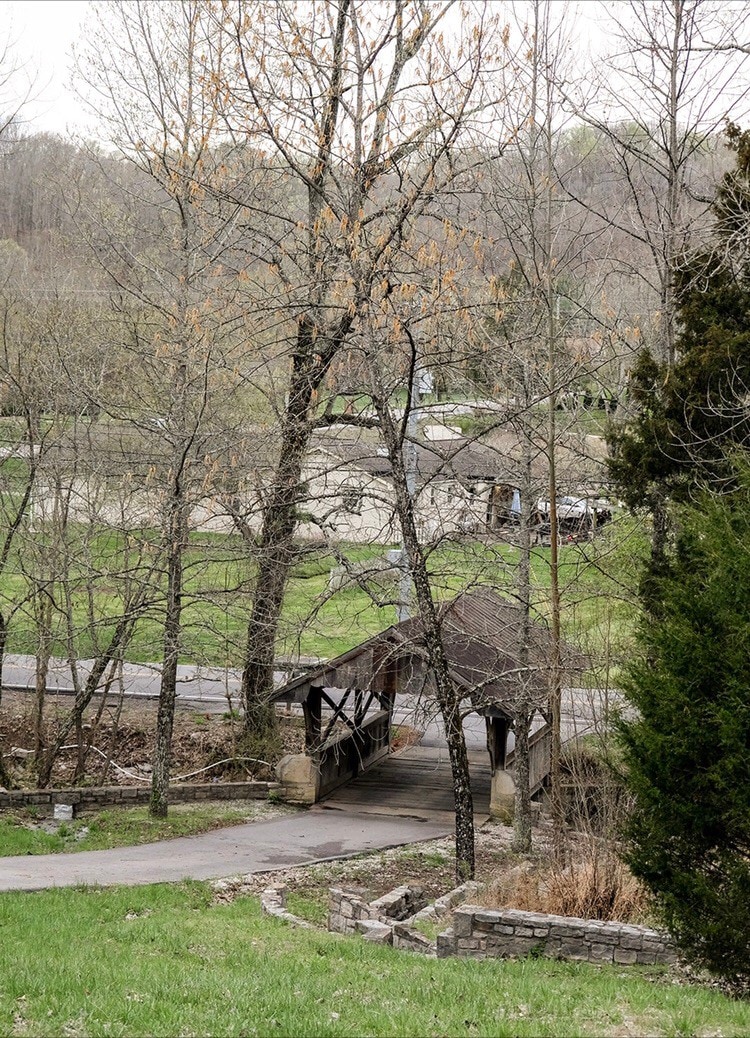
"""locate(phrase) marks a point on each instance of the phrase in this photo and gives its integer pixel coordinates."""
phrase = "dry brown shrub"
(519, 887)
(596, 886)
(594, 883)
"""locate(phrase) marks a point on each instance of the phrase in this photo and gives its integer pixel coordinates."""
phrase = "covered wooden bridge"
(348, 702)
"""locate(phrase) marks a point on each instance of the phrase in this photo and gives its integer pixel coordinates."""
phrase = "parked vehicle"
(577, 517)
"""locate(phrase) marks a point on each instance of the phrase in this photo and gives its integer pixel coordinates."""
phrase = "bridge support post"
(502, 796)
(502, 788)
(299, 775)
(312, 710)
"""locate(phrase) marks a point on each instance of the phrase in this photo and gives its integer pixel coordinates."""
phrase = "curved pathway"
(319, 834)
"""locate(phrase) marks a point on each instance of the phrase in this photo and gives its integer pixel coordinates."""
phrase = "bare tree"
(357, 108)
(24, 433)
(541, 318)
(53, 559)
(666, 94)
(78, 546)
(174, 305)
(16, 88)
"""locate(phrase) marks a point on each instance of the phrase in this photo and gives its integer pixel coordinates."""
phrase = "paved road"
(319, 834)
(213, 688)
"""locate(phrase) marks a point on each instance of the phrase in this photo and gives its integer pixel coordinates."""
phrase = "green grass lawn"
(124, 827)
(164, 960)
(595, 578)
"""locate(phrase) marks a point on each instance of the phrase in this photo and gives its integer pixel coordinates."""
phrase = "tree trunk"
(462, 795)
(522, 711)
(522, 814)
(162, 760)
(660, 529)
(659, 539)
(276, 543)
(555, 675)
(40, 689)
(4, 774)
(449, 703)
(448, 697)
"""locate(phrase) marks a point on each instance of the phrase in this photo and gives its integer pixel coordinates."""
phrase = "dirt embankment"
(118, 743)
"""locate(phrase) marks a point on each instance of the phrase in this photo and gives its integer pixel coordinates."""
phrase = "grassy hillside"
(166, 961)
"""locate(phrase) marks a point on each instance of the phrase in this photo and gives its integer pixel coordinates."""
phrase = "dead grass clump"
(598, 886)
(520, 887)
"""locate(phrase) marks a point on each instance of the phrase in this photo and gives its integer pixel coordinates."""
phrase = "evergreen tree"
(687, 747)
(690, 413)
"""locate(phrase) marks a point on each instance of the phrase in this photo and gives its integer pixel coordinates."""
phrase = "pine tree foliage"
(687, 748)
(687, 743)
(689, 414)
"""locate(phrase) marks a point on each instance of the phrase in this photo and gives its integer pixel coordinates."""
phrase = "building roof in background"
(496, 457)
(116, 446)
(462, 458)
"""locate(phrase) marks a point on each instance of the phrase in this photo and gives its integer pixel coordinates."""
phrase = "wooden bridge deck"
(414, 783)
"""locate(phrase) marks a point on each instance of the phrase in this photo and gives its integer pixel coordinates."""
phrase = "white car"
(567, 507)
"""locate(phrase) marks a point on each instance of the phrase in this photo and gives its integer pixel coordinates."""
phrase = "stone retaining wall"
(408, 938)
(273, 902)
(441, 906)
(390, 919)
(480, 933)
(346, 910)
(400, 903)
(92, 797)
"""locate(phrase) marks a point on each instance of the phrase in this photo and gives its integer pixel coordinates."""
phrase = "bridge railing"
(346, 754)
(540, 746)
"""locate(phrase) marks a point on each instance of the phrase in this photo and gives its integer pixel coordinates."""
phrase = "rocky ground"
(430, 865)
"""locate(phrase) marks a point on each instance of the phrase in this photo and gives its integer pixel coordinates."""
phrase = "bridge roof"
(483, 637)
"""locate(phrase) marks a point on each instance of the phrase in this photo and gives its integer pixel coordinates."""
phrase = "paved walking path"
(315, 835)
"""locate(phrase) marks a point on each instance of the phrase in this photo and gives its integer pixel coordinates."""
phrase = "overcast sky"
(42, 33)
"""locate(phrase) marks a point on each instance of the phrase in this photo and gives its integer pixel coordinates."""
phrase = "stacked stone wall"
(390, 919)
(400, 903)
(347, 910)
(409, 938)
(93, 797)
(273, 902)
(481, 933)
